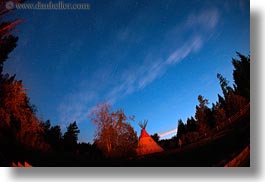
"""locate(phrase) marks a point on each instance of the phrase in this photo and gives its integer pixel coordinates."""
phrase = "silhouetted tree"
(71, 136)
(221, 102)
(181, 128)
(236, 98)
(224, 85)
(235, 103)
(115, 137)
(219, 116)
(7, 41)
(168, 143)
(90, 150)
(155, 137)
(201, 115)
(210, 117)
(191, 124)
(52, 135)
(241, 75)
(55, 137)
(46, 127)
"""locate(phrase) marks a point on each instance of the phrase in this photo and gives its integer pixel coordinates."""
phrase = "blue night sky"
(152, 58)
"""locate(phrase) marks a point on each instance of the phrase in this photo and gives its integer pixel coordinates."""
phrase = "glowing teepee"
(146, 144)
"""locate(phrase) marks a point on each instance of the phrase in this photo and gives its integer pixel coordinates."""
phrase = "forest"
(25, 137)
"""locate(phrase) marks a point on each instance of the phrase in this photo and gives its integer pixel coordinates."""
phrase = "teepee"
(146, 144)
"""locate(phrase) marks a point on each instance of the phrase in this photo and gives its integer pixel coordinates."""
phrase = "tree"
(219, 115)
(52, 135)
(46, 127)
(114, 136)
(236, 98)
(126, 141)
(224, 85)
(201, 115)
(191, 124)
(155, 137)
(235, 103)
(55, 137)
(221, 101)
(71, 136)
(181, 128)
(7, 41)
(19, 127)
(19, 122)
(241, 75)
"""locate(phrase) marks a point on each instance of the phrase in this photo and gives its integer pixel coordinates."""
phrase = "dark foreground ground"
(216, 150)
(219, 149)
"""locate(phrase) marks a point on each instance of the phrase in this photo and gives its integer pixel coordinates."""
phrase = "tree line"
(207, 119)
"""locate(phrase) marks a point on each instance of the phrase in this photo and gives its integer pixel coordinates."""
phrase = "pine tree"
(71, 136)
(241, 75)
(181, 128)
(201, 115)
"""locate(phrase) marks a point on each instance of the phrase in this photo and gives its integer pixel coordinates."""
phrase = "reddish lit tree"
(219, 116)
(235, 103)
(18, 122)
(115, 137)
(17, 115)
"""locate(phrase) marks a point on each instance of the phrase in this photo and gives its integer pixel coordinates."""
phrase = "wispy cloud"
(150, 72)
(154, 66)
(205, 19)
(179, 54)
(77, 105)
(138, 78)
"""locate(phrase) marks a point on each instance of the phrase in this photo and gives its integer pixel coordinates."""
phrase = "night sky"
(152, 58)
